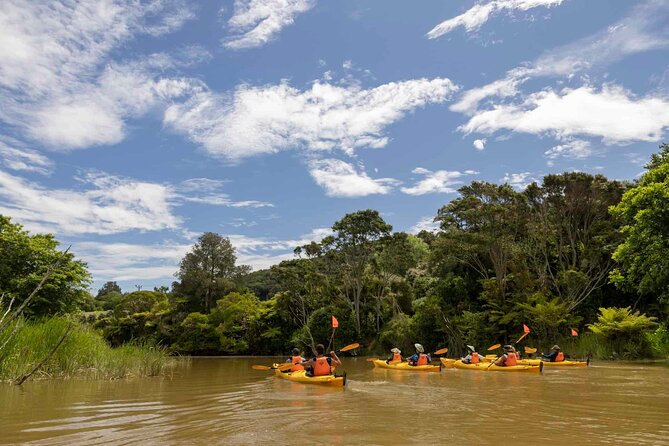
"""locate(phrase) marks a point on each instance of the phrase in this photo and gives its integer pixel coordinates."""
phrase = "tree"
(107, 288)
(207, 272)
(352, 248)
(24, 259)
(644, 210)
(237, 321)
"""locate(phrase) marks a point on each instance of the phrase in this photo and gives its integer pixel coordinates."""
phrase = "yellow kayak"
(381, 363)
(487, 367)
(536, 362)
(301, 377)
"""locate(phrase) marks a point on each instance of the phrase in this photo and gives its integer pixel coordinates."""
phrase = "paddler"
(419, 358)
(396, 355)
(321, 365)
(473, 357)
(297, 361)
(555, 355)
(509, 358)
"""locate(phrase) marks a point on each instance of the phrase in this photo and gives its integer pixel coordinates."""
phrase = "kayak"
(554, 364)
(487, 367)
(381, 363)
(447, 363)
(301, 377)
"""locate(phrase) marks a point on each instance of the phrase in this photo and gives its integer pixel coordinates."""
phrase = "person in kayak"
(396, 355)
(321, 365)
(419, 358)
(509, 358)
(472, 358)
(297, 361)
(555, 355)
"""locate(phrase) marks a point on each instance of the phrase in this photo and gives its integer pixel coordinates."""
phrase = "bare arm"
(335, 360)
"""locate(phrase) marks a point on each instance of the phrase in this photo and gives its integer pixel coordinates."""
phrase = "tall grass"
(83, 354)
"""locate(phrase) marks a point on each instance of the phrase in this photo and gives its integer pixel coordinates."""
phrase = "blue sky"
(128, 128)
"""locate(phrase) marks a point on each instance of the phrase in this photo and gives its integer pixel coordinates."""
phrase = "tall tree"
(107, 288)
(644, 209)
(206, 273)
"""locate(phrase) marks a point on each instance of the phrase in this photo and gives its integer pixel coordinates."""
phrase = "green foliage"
(83, 354)
(619, 322)
(644, 210)
(237, 320)
(25, 258)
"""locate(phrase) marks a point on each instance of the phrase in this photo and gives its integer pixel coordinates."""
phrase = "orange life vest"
(397, 357)
(559, 357)
(296, 360)
(510, 360)
(422, 359)
(322, 367)
(475, 358)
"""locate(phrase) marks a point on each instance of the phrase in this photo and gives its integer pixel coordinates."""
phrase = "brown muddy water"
(223, 401)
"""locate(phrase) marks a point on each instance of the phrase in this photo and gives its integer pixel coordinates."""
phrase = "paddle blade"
(372, 359)
(286, 366)
(530, 350)
(494, 347)
(441, 351)
(260, 367)
(349, 347)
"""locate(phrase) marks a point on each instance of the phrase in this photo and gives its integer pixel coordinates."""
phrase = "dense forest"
(578, 254)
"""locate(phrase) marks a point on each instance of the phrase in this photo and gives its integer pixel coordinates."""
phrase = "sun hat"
(509, 348)
(471, 347)
(419, 348)
(555, 347)
(396, 350)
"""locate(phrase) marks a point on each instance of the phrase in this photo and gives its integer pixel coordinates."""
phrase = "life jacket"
(322, 367)
(559, 357)
(397, 357)
(475, 358)
(510, 360)
(422, 359)
(296, 360)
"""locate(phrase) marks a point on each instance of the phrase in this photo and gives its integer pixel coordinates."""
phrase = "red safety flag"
(335, 322)
(526, 329)
(574, 332)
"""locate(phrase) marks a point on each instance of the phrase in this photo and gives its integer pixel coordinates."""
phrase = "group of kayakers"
(321, 365)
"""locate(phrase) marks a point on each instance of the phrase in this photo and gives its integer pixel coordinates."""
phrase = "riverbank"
(83, 354)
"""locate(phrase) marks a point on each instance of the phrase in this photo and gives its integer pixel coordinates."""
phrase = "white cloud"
(57, 82)
(424, 224)
(24, 159)
(107, 205)
(257, 22)
(441, 181)
(258, 120)
(341, 179)
(612, 114)
(518, 180)
(208, 191)
(644, 29)
(479, 14)
(574, 149)
(479, 144)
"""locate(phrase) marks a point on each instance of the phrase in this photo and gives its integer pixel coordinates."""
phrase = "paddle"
(349, 347)
(260, 367)
(494, 347)
(441, 351)
(530, 350)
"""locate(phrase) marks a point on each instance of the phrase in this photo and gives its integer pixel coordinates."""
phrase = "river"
(223, 401)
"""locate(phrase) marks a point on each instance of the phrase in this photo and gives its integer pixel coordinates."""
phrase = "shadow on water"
(222, 400)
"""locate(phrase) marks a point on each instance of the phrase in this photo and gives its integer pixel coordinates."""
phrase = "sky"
(129, 128)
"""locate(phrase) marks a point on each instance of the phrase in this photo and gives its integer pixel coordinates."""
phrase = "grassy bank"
(83, 354)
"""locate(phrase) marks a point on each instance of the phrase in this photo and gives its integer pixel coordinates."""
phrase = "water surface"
(223, 401)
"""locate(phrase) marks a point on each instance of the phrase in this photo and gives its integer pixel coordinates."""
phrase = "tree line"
(576, 251)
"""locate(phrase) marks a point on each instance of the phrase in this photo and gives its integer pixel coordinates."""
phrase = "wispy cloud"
(612, 114)
(24, 159)
(58, 82)
(475, 17)
(341, 179)
(260, 120)
(257, 22)
(574, 149)
(424, 224)
(107, 204)
(518, 180)
(441, 181)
